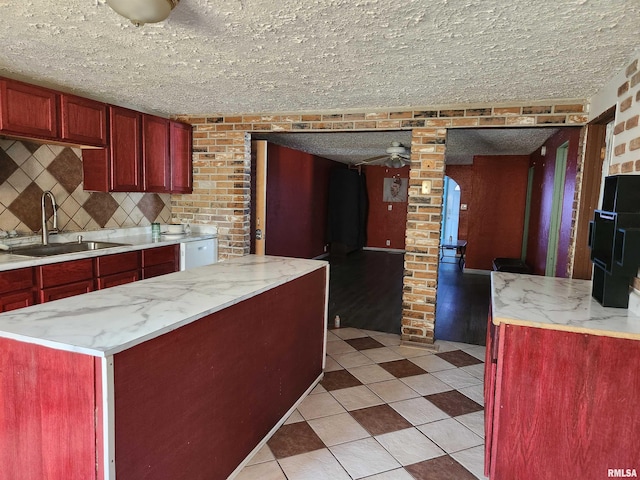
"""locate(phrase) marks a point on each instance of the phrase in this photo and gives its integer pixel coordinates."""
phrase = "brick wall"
(626, 139)
(626, 142)
(222, 179)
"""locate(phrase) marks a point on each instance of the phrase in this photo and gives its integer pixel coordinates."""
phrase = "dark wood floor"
(365, 290)
(462, 305)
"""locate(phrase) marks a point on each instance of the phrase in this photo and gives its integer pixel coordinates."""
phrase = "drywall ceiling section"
(236, 56)
(348, 147)
(463, 144)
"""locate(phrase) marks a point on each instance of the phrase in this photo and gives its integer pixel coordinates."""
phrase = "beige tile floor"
(384, 412)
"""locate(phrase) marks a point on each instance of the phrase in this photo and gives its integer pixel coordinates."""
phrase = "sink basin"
(61, 248)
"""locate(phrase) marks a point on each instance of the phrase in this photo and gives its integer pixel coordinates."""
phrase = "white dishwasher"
(197, 253)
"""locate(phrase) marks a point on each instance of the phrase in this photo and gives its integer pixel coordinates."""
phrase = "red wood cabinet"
(157, 160)
(160, 260)
(27, 110)
(560, 404)
(156, 163)
(16, 289)
(181, 161)
(65, 279)
(117, 269)
(125, 150)
(83, 121)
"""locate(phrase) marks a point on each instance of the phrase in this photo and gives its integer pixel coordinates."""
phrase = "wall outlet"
(463, 206)
(426, 187)
(388, 243)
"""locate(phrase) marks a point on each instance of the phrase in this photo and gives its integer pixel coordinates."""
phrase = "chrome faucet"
(45, 232)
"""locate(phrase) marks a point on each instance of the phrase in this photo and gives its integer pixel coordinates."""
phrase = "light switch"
(390, 207)
(463, 206)
(426, 187)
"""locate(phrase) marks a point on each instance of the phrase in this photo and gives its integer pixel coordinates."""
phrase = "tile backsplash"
(27, 169)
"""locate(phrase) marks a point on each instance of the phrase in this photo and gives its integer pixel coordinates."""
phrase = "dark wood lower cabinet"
(26, 286)
(560, 404)
(15, 300)
(64, 291)
(117, 279)
(160, 261)
(65, 279)
(17, 289)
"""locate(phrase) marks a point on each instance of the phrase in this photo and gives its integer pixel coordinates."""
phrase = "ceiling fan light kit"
(397, 157)
(143, 11)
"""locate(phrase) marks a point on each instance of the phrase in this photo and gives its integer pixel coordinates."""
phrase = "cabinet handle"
(608, 216)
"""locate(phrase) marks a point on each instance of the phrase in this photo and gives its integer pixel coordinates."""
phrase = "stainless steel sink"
(61, 248)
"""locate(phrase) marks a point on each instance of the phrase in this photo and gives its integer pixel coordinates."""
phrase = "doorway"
(559, 177)
(451, 211)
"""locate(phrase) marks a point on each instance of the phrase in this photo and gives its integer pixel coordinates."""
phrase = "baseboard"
(476, 271)
(390, 250)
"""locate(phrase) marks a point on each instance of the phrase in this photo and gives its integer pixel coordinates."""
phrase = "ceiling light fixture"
(143, 11)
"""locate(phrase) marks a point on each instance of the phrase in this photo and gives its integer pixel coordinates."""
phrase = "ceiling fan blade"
(369, 160)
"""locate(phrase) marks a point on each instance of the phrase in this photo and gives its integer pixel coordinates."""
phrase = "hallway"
(365, 290)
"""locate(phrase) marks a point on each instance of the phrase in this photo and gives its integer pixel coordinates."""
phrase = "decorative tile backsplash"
(27, 169)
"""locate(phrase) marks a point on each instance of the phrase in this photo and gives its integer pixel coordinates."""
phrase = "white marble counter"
(108, 321)
(558, 304)
(136, 238)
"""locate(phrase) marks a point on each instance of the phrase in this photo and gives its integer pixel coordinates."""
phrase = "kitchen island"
(562, 382)
(181, 376)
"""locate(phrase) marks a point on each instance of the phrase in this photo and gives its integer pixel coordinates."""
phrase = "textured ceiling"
(265, 56)
(462, 144)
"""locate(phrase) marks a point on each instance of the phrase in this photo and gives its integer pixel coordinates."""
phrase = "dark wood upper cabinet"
(125, 161)
(156, 163)
(83, 121)
(28, 110)
(181, 162)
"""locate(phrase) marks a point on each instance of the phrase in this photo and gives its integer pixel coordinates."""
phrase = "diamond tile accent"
(294, 439)
(151, 205)
(402, 368)
(459, 358)
(454, 403)
(7, 166)
(101, 206)
(66, 168)
(339, 379)
(364, 343)
(27, 207)
(440, 468)
(380, 419)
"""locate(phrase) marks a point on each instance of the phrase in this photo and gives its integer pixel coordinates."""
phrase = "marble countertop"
(557, 304)
(136, 238)
(104, 322)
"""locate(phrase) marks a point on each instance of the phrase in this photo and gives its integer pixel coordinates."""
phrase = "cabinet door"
(125, 150)
(157, 270)
(181, 161)
(56, 274)
(96, 169)
(118, 279)
(64, 291)
(28, 110)
(84, 121)
(15, 300)
(117, 263)
(160, 260)
(156, 173)
(13, 280)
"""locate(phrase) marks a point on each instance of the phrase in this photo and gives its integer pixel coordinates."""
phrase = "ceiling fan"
(397, 156)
